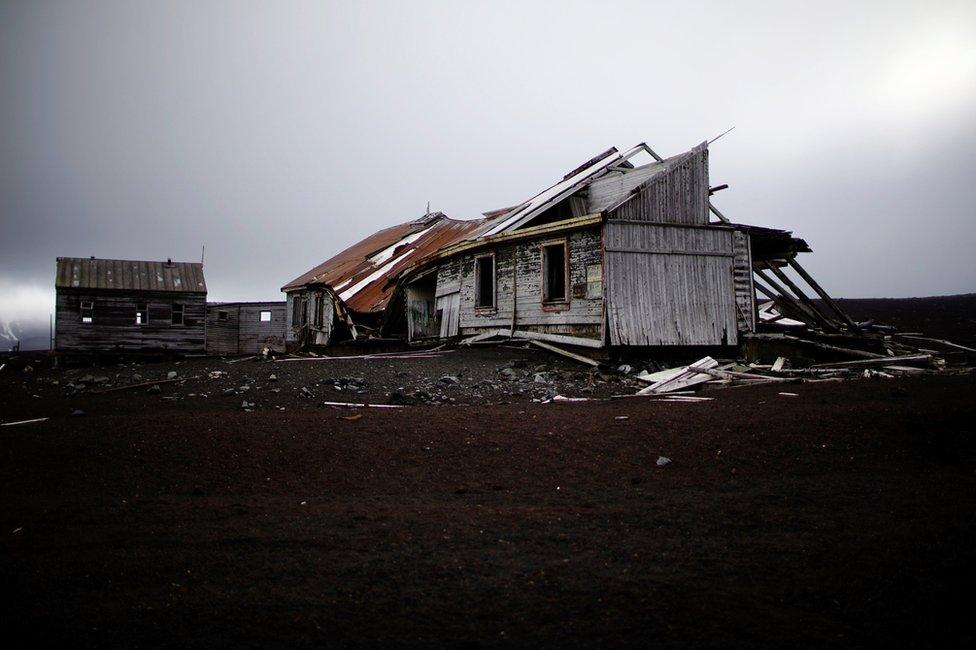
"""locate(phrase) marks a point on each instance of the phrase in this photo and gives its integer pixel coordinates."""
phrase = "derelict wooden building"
(129, 306)
(616, 253)
(245, 327)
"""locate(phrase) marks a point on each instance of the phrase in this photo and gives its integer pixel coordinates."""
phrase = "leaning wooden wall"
(114, 327)
(669, 284)
(679, 195)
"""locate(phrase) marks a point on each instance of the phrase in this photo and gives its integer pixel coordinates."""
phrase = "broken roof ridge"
(592, 161)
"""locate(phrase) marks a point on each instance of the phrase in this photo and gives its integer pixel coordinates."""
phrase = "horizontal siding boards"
(519, 265)
(676, 291)
(222, 334)
(745, 294)
(679, 195)
(254, 334)
(114, 327)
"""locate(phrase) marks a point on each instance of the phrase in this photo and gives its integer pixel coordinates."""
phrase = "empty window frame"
(142, 314)
(177, 314)
(484, 281)
(296, 310)
(555, 272)
(222, 315)
(87, 311)
(266, 317)
(318, 310)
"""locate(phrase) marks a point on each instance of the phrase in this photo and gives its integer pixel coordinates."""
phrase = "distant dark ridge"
(944, 317)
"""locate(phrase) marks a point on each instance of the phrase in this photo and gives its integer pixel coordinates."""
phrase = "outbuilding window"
(266, 317)
(87, 311)
(484, 280)
(222, 315)
(177, 314)
(554, 272)
(142, 314)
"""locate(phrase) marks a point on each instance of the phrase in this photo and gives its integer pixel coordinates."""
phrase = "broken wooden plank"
(358, 405)
(144, 384)
(820, 292)
(13, 424)
(823, 346)
(688, 376)
(565, 353)
(882, 361)
(931, 340)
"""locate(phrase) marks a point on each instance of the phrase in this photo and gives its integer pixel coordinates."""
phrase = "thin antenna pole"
(719, 136)
(428, 209)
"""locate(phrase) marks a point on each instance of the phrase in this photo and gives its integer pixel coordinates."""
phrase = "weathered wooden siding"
(669, 284)
(114, 327)
(255, 335)
(519, 289)
(679, 195)
(745, 293)
(222, 335)
(611, 189)
(307, 330)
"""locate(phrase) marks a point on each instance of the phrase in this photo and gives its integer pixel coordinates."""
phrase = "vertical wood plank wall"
(669, 285)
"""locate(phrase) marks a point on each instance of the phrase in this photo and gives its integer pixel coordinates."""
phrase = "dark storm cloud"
(279, 133)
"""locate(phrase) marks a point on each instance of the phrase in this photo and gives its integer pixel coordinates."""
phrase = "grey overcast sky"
(278, 133)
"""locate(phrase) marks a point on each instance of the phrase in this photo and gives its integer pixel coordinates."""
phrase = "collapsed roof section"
(358, 275)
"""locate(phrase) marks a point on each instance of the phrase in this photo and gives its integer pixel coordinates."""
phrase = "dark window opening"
(222, 315)
(295, 310)
(266, 317)
(142, 314)
(87, 311)
(177, 314)
(554, 272)
(485, 282)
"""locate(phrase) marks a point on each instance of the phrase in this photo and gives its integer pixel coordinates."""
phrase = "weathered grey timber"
(669, 284)
(238, 328)
(310, 316)
(129, 306)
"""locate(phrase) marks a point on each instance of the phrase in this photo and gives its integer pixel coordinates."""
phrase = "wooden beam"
(798, 292)
(797, 310)
(820, 292)
(565, 353)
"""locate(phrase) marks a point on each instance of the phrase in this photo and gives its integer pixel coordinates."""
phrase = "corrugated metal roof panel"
(129, 275)
(360, 274)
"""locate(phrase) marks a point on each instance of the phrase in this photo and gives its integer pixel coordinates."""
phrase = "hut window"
(142, 314)
(266, 317)
(221, 315)
(554, 272)
(318, 310)
(87, 311)
(484, 282)
(177, 314)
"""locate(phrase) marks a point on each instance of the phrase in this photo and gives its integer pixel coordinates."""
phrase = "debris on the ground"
(154, 389)
(355, 405)
(32, 421)
(662, 461)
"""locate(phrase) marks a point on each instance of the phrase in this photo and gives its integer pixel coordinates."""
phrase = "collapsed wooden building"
(613, 254)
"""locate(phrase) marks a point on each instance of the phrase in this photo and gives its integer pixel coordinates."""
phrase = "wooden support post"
(820, 292)
(798, 292)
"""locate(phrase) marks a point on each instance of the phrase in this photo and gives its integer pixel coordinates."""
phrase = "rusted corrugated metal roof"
(129, 275)
(359, 274)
